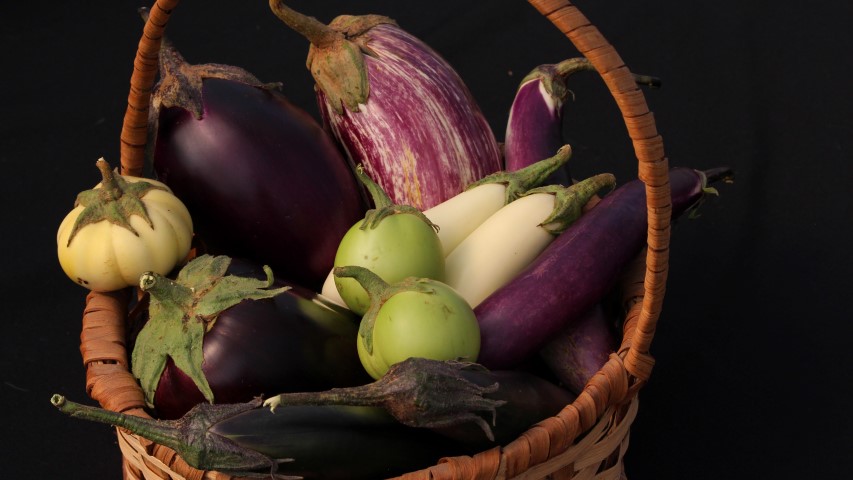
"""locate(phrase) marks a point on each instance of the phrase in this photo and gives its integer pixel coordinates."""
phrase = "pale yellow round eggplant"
(104, 255)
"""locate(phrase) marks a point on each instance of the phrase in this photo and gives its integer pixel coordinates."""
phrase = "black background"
(752, 377)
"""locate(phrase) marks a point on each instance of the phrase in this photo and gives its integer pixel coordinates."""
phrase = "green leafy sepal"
(181, 311)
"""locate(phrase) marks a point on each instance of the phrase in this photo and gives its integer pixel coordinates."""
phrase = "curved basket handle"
(653, 166)
(134, 129)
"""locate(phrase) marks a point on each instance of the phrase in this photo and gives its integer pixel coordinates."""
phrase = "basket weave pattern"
(586, 440)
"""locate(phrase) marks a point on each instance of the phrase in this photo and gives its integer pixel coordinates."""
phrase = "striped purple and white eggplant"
(397, 107)
(535, 126)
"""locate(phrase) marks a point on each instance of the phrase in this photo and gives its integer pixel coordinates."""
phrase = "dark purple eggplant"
(462, 401)
(260, 176)
(575, 271)
(261, 343)
(535, 126)
(397, 107)
(526, 399)
(581, 348)
(309, 442)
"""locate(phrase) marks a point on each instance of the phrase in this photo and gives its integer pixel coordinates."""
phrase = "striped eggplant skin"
(574, 272)
(420, 134)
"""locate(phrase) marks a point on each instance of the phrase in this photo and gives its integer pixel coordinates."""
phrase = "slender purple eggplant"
(577, 270)
(397, 107)
(420, 411)
(463, 401)
(301, 442)
(260, 176)
(535, 126)
(581, 348)
(223, 333)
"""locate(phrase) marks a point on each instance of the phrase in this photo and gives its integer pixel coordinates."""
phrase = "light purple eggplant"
(535, 126)
(396, 107)
(260, 176)
(577, 270)
(581, 348)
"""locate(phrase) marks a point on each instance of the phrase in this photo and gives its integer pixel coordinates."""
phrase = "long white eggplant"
(502, 246)
(457, 217)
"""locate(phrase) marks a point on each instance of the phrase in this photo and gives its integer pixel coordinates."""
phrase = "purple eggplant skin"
(581, 348)
(333, 442)
(261, 178)
(534, 129)
(397, 107)
(575, 271)
(529, 399)
(295, 341)
(535, 125)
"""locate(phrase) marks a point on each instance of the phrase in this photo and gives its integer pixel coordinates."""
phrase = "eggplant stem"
(418, 392)
(519, 181)
(318, 33)
(162, 432)
(566, 68)
(369, 281)
(378, 195)
(570, 201)
(108, 180)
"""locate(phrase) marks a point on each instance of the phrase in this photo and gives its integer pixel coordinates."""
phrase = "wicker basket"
(587, 439)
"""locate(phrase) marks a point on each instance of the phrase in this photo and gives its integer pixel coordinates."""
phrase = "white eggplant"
(502, 246)
(460, 215)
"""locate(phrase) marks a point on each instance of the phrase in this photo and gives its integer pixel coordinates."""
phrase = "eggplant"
(576, 270)
(535, 126)
(472, 406)
(290, 341)
(337, 441)
(259, 175)
(581, 348)
(309, 442)
(526, 399)
(397, 107)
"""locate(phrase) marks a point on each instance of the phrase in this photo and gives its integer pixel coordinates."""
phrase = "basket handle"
(134, 129)
(653, 166)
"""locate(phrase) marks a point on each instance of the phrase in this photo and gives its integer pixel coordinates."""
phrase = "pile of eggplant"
(393, 285)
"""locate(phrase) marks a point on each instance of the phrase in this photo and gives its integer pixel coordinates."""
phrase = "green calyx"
(383, 205)
(181, 311)
(554, 77)
(529, 177)
(336, 56)
(181, 82)
(116, 201)
(569, 201)
(190, 435)
(379, 291)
